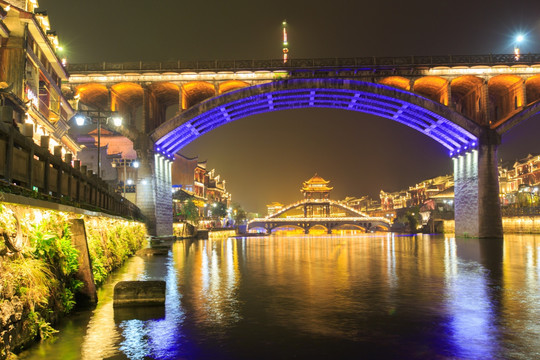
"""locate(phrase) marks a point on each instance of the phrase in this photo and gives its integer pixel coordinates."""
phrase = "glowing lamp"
(520, 38)
(79, 120)
(117, 121)
(135, 164)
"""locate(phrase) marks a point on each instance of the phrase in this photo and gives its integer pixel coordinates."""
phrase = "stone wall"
(32, 290)
(511, 225)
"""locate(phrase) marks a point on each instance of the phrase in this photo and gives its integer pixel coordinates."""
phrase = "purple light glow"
(442, 130)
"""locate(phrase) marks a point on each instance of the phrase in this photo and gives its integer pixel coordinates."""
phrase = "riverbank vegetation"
(38, 283)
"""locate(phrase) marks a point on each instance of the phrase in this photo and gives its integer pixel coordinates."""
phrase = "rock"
(139, 293)
(6, 312)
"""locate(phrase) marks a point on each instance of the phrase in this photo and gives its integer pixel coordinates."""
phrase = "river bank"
(40, 281)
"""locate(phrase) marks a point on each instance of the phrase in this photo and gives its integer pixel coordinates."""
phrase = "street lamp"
(519, 39)
(135, 164)
(97, 117)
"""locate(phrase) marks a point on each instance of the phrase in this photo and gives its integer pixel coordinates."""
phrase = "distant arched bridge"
(335, 216)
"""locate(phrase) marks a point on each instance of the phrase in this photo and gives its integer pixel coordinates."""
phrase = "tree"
(219, 210)
(190, 211)
(411, 218)
(238, 213)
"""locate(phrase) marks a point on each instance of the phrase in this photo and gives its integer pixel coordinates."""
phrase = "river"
(371, 296)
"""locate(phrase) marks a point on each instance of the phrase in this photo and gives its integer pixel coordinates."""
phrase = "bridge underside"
(449, 128)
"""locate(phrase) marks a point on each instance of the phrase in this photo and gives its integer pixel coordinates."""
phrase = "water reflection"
(369, 296)
(471, 319)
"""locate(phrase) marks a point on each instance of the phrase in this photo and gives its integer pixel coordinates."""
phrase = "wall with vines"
(38, 264)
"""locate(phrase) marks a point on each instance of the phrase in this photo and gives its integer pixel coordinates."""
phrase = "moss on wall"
(38, 284)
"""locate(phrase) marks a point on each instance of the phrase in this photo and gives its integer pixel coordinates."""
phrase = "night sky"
(266, 157)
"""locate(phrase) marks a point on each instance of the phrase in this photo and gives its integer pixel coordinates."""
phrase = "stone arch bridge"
(466, 103)
(335, 216)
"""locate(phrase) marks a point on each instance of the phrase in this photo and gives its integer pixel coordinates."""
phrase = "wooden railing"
(31, 170)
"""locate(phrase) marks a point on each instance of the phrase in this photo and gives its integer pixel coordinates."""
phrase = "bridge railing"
(509, 211)
(31, 170)
(292, 64)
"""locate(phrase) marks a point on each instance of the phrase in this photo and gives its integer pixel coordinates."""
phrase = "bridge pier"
(476, 190)
(154, 196)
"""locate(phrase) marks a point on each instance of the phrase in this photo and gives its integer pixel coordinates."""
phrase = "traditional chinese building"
(316, 189)
(274, 208)
(520, 184)
(31, 75)
(316, 210)
(205, 187)
(415, 195)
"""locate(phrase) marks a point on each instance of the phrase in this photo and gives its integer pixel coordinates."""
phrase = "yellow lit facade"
(31, 75)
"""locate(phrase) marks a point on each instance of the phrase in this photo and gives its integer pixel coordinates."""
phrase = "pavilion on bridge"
(317, 210)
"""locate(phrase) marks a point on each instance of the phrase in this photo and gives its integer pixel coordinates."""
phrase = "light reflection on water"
(369, 296)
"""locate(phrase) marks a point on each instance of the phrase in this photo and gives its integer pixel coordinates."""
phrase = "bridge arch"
(432, 87)
(397, 82)
(93, 94)
(231, 86)
(348, 227)
(318, 227)
(532, 89)
(451, 129)
(506, 94)
(467, 97)
(195, 92)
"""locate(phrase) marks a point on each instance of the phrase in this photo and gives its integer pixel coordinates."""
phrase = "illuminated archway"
(196, 92)
(467, 96)
(532, 86)
(397, 82)
(317, 229)
(93, 95)
(432, 87)
(451, 129)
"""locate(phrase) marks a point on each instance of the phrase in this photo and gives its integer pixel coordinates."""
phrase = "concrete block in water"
(139, 293)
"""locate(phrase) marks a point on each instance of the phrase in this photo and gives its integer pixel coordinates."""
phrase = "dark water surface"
(323, 297)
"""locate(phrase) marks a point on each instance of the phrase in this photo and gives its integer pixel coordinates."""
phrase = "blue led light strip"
(449, 134)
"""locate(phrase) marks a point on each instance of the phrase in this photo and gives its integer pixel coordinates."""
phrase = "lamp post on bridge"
(135, 164)
(97, 117)
(517, 52)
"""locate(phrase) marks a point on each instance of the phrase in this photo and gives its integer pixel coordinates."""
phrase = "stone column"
(145, 195)
(84, 274)
(164, 211)
(489, 208)
(523, 94)
(485, 104)
(477, 210)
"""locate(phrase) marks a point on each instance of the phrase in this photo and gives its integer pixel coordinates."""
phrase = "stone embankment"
(45, 257)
